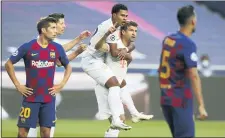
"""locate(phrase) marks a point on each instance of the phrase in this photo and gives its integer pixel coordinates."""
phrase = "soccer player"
(60, 29)
(178, 76)
(39, 57)
(119, 67)
(93, 60)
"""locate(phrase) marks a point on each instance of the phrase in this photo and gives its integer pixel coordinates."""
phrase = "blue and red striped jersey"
(40, 67)
(178, 55)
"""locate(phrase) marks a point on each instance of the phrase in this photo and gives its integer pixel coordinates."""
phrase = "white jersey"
(118, 67)
(98, 34)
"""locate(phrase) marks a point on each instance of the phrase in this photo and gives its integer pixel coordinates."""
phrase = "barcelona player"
(40, 56)
(178, 76)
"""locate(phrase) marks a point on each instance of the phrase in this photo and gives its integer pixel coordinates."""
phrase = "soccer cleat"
(120, 125)
(140, 117)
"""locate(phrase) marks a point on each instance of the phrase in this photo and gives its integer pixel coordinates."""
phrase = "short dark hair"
(57, 16)
(184, 13)
(117, 7)
(44, 23)
(128, 24)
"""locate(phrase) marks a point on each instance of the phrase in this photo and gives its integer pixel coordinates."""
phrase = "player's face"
(194, 22)
(130, 34)
(121, 17)
(60, 26)
(50, 32)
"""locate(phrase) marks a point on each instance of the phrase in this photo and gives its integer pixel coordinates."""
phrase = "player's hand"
(82, 47)
(202, 113)
(85, 34)
(122, 53)
(25, 91)
(55, 89)
(112, 29)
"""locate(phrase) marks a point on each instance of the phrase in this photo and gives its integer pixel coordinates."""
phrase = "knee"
(112, 82)
(45, 132)
(22, 134)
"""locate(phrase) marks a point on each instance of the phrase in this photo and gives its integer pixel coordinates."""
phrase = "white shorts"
(96, 69)
(103, 105)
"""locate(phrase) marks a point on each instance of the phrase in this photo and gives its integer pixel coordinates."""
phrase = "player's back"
(177, 56)
(119, 67)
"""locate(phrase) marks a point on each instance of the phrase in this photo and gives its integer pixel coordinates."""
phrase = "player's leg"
(47, 118)
(128, 101)
(103, 75)
(183, 122)
(27, 118)
(168, 115)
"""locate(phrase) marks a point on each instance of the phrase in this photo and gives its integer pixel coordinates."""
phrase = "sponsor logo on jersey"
(42, 64)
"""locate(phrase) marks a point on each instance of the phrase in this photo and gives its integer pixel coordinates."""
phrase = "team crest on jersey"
(15, 53)
(112, 37)
(52, 54)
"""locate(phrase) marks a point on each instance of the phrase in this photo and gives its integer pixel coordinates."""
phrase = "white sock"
(112, 133)
(128, 101)
(52, 132)
(32, 133)
(115, 103)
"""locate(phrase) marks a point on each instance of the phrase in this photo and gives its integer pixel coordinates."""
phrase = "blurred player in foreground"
(178, 77)
(60, 27)
(40, 56)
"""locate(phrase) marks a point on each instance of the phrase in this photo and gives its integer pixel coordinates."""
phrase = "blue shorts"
(180, 120)
(30, 113)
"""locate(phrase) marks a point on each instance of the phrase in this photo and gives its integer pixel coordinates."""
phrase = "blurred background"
(77, 105)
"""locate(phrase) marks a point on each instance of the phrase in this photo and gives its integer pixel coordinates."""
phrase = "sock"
(32, 133)
(115, 103)
(128, 101)
(52, 132)
(112, 133)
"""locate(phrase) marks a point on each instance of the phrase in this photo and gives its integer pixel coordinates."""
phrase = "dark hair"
(128, 24)
(117, 7)
(57, 16)
(184, 13)
(44, 23)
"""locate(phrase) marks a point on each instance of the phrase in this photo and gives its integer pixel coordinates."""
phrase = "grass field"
(85, 128)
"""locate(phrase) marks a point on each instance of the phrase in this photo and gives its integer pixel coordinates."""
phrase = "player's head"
(129, 31)
(47, 27)
(186, 17)
(60, 22)
(119, 13)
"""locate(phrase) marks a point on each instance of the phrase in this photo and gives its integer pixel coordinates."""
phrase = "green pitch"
(85, 128)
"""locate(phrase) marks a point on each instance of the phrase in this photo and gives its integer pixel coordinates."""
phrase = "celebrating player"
(93, 60)
(39, 57)
(178, 76)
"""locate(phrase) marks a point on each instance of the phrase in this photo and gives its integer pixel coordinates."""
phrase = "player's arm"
(102, 43)
(74, 54)
(191, 65)
(114, 52)
(77, 40)
(68, 70)
(15, 57)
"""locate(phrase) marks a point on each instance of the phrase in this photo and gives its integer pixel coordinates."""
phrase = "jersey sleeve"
(62, 56)
(113, 38)
(190, 56)
(18, 54)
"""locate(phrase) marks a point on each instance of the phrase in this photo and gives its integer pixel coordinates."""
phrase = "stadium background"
(76, 112)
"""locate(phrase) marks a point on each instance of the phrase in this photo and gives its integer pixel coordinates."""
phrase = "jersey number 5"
(25, 112)
(165, 64)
